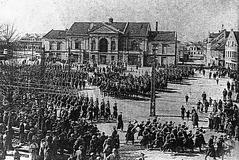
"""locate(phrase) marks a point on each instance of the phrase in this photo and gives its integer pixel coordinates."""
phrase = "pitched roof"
(236, 33)
(55, 34)
(219, 42)
(162, 36)
(219, 45)
(213, 35)
(130, 28)
(137, 29)
(83, 28)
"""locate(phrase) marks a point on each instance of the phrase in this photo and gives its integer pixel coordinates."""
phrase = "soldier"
(211, 149)
(224, 93)
(21, 131)
(115, 111)
(186, 98)
(34, 149)
(93, 144)
(120, 124)
(183, 110)
(228, 85)
(96, 109)
(107, 111)
(102, 108)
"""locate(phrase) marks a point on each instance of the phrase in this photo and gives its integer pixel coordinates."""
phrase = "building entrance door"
(163, 61)
(102, 59)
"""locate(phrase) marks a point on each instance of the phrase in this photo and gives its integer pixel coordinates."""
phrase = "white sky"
(192, 19)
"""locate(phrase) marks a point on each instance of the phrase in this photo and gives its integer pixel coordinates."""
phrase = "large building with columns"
(102, 42)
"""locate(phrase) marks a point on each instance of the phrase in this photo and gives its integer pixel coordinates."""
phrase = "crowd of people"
(54, 123)
(166, 136)
(62, 123)
(118, 84)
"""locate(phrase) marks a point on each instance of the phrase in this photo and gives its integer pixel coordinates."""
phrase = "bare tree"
(9, 36)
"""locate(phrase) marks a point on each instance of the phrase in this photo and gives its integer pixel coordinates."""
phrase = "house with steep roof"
(166, 43)
(216, 48)
(232, 51)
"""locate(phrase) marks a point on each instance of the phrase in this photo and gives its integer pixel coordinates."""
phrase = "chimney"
(156, 27)
(111, 20)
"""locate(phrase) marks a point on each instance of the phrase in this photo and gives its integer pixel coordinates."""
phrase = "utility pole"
(69, 60)
(152, 100)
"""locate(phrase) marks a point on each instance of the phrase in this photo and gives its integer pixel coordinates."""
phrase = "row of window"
(32, 47)
(113, 44)
(231, 44)
(230, 54)
(195, 53)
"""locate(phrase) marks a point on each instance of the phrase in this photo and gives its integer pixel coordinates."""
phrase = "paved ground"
(168, 105)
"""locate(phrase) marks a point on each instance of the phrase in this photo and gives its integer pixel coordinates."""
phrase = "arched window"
(93, 45)
(134, 45)
(113, 45)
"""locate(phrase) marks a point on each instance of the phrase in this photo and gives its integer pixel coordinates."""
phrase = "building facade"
(111, 42)
(232, 50)
(30, 43)
(102, 42)
(55, 44)
(166, 42)
(216, 49)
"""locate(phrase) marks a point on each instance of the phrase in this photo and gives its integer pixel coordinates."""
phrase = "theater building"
(110, 42)
(101, 42)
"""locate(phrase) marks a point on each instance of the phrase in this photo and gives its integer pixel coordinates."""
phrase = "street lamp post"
(152, 100)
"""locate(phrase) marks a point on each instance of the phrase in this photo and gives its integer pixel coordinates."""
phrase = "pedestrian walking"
(120, 124)
(188, 115)
(186, 98)
(183, 110)
(228, 85)
(195, 119)
(211, 150)
(217, 80)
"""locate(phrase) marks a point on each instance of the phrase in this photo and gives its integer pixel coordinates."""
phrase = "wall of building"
(231, 52)
(165, 52)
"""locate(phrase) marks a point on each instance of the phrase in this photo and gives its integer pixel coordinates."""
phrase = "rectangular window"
(58, 46)
(77, 45)
(112, 58)
(51, 46)
(164, 48)
(93, 58)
